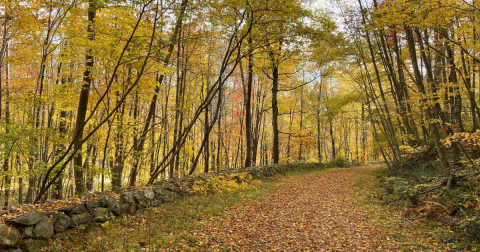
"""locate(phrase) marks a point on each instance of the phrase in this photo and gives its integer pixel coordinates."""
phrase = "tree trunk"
(160, 77)
(275, 79)
(421, 88)
(8, 179)
(248, 109)
(117, 168)
(79, 173)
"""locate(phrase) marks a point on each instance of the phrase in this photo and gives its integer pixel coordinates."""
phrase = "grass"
(171, 226)
(163, 228)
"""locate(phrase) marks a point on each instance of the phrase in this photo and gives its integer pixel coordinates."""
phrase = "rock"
(170, 196)
(43, 229)
(127, 197)
(171, 188)
(9, 236)
(190, 185)
(149, 194)
(111, 202)
(155, 202)
(100, 214)
(61, 222)
(87, 194)
(14, 250)
(132, 208)
(74, 209)
(27, 232)
(138, 196)
(186, 190)
(90, 205)
(158, 183)
(81, 218)
(28, 219)
(159, 192)
(78, 208)
(102, 201)
(31, 245)
(238, 179)
(120, 209)
(188, 178)
(144, 203)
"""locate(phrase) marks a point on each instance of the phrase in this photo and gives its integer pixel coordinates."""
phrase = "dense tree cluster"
(417, 65)
(99, 94)
(106, 93)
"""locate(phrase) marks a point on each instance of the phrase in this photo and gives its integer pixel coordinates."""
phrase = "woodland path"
(319, 212)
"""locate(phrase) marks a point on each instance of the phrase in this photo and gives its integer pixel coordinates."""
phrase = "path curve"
(309, 213)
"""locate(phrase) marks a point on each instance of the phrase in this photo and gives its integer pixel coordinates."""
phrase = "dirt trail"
(309, 213)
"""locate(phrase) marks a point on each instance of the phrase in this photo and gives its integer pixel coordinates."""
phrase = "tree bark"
(421, 88)
(275, 79)
(248, 109)
(79, 173)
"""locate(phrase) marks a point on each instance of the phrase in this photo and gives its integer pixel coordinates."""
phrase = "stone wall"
(31, 230)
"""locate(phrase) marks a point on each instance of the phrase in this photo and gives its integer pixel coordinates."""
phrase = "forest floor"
(318, 212)
(322, 210)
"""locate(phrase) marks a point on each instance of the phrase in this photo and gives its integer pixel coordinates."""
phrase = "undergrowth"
(448, 219)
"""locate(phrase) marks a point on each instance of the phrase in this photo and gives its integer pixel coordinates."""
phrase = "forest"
(101, 94)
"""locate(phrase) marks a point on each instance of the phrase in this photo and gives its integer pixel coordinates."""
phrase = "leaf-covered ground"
(307, 213)
(317, 210)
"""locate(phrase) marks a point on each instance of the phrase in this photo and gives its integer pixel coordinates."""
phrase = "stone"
(78, 208)
(28, 232)
(200, 178)
(100, 214)
(171, 188)
(102, 201)
(149, 194)
(90, 205)
(144, 203)
(127, 197)
(14, 250)
(132, 208)
(74, 209)
(159, 192)
(87, 194)
(170, 196)
(9, 236)
(61, 222)
(186, 190)
(155, 202)
(188, 178)
(158, 183)
(120, 209)
(138, 196)
(111, 202)
(190, 185)
(28, 219)
(238, 179)
(43, 229)
(80, 218)
(31, 245)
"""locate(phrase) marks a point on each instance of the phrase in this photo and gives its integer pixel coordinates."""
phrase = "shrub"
(222, 184)
(340, 162)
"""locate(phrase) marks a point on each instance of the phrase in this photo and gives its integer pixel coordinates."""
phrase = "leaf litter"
(306, 213)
